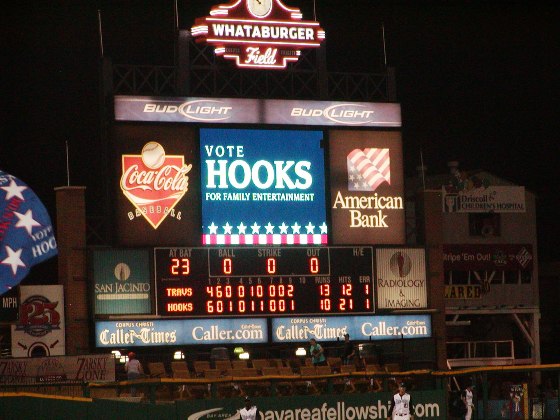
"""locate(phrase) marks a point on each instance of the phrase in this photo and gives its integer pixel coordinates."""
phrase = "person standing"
(467, 397)
(349, 351)
(401, 406)
(249, 412)
(134, 370)
(317, 353)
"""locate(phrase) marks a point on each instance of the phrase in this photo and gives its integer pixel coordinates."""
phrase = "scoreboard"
(262, 281)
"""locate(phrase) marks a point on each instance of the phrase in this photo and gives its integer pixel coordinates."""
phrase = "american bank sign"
(262, 34)
(257, 111)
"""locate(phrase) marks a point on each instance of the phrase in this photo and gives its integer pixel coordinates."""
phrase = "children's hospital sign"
(257, 33)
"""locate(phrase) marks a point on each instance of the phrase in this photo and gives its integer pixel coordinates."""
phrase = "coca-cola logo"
(154, 183)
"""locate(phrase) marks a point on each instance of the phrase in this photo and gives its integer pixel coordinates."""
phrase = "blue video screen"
(262, 187)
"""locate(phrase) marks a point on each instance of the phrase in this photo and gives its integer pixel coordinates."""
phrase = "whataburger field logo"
(257, 33)
(154, 182)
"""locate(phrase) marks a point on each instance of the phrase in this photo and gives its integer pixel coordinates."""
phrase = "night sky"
(478, 83)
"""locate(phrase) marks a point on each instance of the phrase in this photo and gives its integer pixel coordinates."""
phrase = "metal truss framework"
(204, 75)
(525, 318)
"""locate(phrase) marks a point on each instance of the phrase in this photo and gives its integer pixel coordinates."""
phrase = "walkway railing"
(543, 403)
(480, 353)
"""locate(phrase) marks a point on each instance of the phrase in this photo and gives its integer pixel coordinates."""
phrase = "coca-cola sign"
(154, 182)
(257, 33)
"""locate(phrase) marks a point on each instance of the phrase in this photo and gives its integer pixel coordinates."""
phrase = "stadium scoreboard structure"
(260, 217)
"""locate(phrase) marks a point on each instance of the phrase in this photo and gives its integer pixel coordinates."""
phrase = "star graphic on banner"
(269, 229)
(14, 190)
(310, 228)
(13, 259)
(296, 228)
(356, 184)
(323, 228)
(351, 178)
(26, 221)
(364, 184)
(227, 228)
(213, 229)
(241, 228)
(283, 228)
(255, 228)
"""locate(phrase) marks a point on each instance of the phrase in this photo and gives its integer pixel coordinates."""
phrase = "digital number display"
(263, 281)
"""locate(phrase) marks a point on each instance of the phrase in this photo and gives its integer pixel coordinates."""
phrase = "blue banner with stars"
(26, 232)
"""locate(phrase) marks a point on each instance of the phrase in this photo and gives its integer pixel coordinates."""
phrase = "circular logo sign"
(400, 264)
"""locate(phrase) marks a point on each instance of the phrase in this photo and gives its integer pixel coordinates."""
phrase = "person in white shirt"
(401, 407)
(249, 412)
(134, 370)
(467, 397)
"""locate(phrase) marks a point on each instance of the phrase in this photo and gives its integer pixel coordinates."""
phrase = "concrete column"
(432, 220)
(72, 267)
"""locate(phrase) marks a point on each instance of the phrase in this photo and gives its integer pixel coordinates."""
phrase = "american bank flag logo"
(368, 169)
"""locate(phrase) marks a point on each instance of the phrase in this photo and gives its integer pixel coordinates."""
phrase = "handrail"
(474, 349)
(151, 386)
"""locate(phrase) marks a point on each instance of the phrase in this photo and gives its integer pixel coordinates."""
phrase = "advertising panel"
(193, 110)
(156, 185)
(40, 328)
(332, 113)
(517, 406)
(257, 34)
(506, 257)
(122, 282)
(377, 327)
(180, 332)
(401, 278)
(257, 111)
(9, 305)
(463, 291)
(495, 199)
(262, 187)
(367, 190)
(427, 405)
(36, 370)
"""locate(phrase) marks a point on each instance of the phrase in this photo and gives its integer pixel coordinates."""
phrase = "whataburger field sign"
(257, 33)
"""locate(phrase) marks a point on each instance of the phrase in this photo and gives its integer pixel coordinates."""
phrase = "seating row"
(158, 370)
(302, 380)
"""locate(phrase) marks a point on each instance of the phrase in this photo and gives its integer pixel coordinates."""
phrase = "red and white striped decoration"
(368, 169)
(265, 239)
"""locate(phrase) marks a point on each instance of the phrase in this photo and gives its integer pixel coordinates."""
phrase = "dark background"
(478, 83)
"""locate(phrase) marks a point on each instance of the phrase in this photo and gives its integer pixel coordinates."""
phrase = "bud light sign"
(262, 187)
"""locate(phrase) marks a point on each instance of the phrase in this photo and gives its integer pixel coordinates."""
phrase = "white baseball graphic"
(153, 155)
